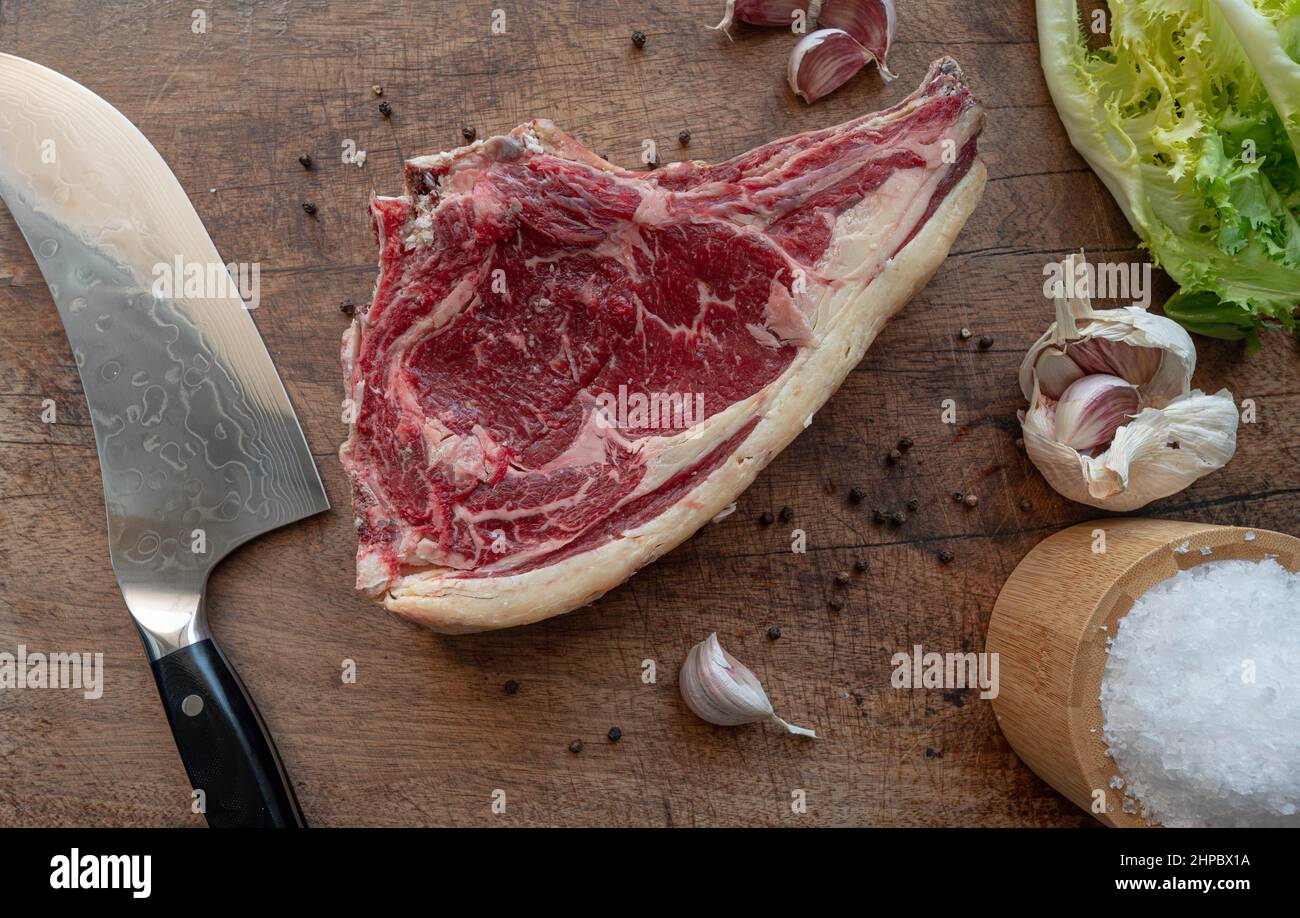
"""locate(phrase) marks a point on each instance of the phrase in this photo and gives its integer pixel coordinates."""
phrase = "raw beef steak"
(568, 368)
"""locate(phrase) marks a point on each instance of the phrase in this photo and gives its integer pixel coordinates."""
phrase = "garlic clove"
(871, 22)
(1137, 327)
(1134, 363)
(823, 61)
(764, 12)
(1055, 371)
(720, 689)
(1092, 408)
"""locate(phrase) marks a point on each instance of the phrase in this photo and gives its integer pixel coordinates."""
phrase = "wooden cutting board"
(427, 734)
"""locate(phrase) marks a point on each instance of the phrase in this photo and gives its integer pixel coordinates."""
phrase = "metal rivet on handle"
(192, 705)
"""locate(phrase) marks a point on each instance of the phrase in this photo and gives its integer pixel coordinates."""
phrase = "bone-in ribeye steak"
(568, 368)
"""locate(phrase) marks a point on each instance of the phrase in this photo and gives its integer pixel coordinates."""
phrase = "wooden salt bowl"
(1047, 630)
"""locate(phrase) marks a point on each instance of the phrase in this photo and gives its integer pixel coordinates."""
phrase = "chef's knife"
(199, 447)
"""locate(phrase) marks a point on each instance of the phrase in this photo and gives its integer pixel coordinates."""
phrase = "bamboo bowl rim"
(1225, 543)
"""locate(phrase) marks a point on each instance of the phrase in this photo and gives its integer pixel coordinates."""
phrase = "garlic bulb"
(1113, 421)
(720, 689)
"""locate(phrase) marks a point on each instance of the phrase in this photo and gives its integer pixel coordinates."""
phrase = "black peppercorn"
(773, 633)
(1025, 505)
(766, 518)
(985, 342)
(905, 443)
(638, 38)
(878, 515)
(860, 565)
(857, 495)
(894, 456)
(348, 308)
(511, 687)
(385, 109)
(614, 734)
(576, 746)
(468, 133)
(309, 207)
(958, 496)
(305, 159)
(684, 137)
(913, 504)
(945, 556)
(786, 514)
(898, 517)
(837, 604)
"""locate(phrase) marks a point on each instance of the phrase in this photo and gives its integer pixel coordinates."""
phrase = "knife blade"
(199, 446)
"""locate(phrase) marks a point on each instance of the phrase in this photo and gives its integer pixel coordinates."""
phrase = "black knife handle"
(226, 748)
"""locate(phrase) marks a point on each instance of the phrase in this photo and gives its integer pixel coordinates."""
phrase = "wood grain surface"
(427, 733)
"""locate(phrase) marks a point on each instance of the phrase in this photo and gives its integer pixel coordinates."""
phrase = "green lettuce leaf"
(1191, 117)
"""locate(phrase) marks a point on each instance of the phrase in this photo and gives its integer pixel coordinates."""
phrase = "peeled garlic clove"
(823, 61)
(1092, 409)
(762, 13)
(1055, 372)
(872, 23)
(720, 689)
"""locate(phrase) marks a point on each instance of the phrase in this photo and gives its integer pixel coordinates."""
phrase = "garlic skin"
(823, 61)
(1128, 429)
(872, 23)
(720, 689)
